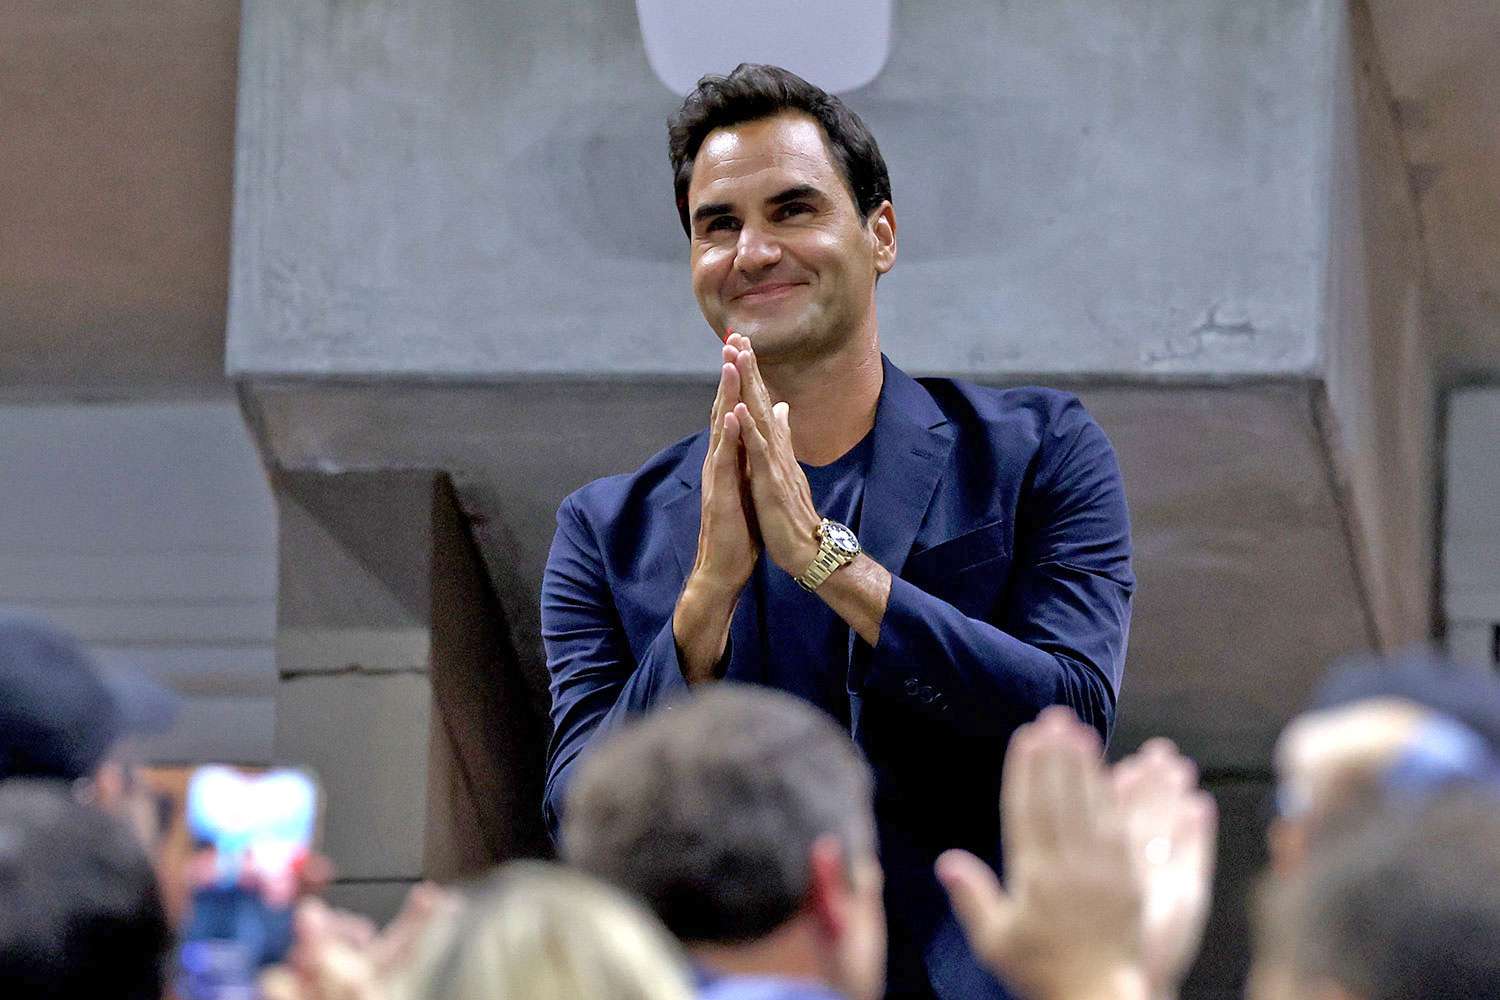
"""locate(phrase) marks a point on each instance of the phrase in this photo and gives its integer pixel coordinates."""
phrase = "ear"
(828, 888)
(108, 785)
(882, 227)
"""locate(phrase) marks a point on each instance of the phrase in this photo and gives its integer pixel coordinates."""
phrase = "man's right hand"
(728, 543)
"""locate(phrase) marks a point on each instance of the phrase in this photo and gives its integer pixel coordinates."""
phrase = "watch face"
(841, 539)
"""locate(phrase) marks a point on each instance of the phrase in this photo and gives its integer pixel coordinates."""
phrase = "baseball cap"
(1464, 693)
(60, 710)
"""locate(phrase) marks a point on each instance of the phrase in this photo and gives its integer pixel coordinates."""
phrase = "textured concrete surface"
(1380, 423)
(1471, 526)
(1069, 209)
(120, 119)
(1443, 64)
(396, 685)
(455, 249)
(148, 529)
(474, 189)
(365, 737)
(1247, 584)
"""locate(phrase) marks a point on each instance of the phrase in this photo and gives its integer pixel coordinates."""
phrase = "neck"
(788, 952)
(832, 397)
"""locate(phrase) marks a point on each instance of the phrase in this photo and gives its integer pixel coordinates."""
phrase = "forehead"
(762, 158)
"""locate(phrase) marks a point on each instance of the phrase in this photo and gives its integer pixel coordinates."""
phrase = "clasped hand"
(754, 492)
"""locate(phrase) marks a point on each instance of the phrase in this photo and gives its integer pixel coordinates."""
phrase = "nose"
(756, 251)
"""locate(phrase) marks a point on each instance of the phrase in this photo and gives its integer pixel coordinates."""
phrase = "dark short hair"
(754, 91)
(708, 810)
(80, 912)
(1408, 908)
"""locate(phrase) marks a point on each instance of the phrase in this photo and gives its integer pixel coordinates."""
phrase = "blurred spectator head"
(80, 915)
(537, 931)
(63, 716)
(745, 818)
(1381, 730)
(1405, 908)
(752, 92)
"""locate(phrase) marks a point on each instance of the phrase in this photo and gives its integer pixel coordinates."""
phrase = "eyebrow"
(799, 193)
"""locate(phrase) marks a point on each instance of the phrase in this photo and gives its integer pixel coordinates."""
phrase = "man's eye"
(795, 208)
(723, 222)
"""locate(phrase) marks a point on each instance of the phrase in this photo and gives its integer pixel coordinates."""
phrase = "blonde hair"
(538, 931)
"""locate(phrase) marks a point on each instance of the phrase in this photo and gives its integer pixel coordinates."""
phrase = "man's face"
(779, 252)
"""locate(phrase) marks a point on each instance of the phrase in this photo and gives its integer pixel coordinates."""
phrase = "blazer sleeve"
(596, 681)
(1059, 636)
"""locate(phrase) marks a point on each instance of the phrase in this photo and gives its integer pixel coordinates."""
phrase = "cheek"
(833, 255)
(710, 267)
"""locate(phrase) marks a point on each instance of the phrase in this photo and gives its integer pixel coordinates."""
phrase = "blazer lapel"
(908, 457)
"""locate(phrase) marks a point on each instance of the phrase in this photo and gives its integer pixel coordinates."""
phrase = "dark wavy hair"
(754, 91)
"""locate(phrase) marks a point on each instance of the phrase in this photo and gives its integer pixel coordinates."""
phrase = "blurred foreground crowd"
(724, 848)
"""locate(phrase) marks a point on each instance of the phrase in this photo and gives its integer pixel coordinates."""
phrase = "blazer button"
(929, 694)
(912, 687)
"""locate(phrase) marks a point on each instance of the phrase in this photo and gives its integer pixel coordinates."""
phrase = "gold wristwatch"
(837, 546)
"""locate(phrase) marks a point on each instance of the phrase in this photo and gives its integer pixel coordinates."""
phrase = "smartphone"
(252, 834)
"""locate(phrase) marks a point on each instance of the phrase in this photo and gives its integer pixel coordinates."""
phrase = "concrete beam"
(395, 681)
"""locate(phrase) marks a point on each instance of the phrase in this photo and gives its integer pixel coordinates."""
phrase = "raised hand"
(783, 503)
(728, 543)
(1067, 924)
(340, 956)
(1171, 823)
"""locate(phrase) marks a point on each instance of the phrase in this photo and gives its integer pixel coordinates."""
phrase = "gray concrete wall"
(1471, 526)
(148, 529)
(1380, 422)
(395, 687)
(477, 189)
(443, 212)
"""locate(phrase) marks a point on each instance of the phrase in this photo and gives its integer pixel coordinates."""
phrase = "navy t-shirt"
(807, 645)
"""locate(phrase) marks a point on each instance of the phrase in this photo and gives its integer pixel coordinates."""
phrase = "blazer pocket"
(978, 547)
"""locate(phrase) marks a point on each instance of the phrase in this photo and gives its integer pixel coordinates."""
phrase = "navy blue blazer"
(1001, 515)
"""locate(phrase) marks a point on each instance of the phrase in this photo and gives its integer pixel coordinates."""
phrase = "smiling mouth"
(771, 291)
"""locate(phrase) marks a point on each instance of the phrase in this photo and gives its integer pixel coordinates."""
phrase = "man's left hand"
(784, 507)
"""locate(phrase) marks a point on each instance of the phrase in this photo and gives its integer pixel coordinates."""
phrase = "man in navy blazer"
(985, 570)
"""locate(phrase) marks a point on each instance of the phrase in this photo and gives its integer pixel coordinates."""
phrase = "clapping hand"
(1067, 923)
(728, 545)
(782, 499)
(1106, 873)
(1171, 823)
(340, 956)
(728, 537)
